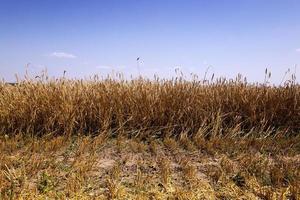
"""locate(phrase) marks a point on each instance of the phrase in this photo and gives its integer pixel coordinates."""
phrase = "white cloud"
(298, 50)
(62, 55)
(107, 67)
(121, 67)
(85, 63)
(103, 67)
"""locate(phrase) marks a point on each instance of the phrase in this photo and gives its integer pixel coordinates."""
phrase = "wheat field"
(113, 138)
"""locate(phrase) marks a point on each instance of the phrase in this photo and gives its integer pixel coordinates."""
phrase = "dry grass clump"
(138, 107)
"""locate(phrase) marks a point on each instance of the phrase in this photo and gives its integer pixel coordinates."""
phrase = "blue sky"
(88, 36)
